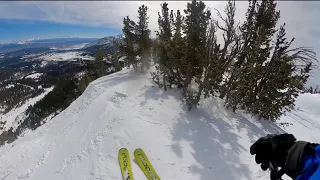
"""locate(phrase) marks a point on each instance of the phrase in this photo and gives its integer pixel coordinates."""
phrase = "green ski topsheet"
(125, 164)
(145, 165)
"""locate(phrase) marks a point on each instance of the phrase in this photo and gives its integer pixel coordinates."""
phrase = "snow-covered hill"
(125, 110)
(14, 117)
(101, 42)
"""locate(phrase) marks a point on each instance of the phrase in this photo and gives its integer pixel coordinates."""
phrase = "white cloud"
(300, 16)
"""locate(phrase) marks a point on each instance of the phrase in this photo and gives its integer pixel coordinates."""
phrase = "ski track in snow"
(124, 110)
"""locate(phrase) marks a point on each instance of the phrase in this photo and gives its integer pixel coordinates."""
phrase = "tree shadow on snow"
(214, 134)
(158, 94)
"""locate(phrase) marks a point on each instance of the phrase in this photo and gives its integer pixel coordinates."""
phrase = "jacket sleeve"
(310, 165)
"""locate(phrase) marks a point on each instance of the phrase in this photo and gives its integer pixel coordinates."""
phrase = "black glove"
(272, 148)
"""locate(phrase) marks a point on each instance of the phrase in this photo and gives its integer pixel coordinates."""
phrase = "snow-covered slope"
(124, 110)
(15, 115)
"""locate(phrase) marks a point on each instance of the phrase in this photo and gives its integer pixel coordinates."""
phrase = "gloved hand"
(272, 148)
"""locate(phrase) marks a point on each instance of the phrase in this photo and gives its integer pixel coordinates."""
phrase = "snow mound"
(9, 86)
(34, 76)
(125, 110)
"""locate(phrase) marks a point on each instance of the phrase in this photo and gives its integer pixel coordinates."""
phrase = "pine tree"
(164, 34)
(246, 38)
(286, 73)
(178, 47)
(266, 78)
(222, 58)
(99, 65)
(255, 52)
(317, 90)
(142, 37)
(155, 57)
(127, 47)
(195, 30)
(83, 82)
(266, 19)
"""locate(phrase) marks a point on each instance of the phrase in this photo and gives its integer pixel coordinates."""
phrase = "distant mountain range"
(106, 43)
(90, 44)
(44, 43)
(50, 40)
(102, 41)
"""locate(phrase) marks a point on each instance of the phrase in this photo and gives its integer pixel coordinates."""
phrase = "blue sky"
(13, 30)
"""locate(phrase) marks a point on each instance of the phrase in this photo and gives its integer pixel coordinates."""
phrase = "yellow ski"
(125, 165)
(145, 165)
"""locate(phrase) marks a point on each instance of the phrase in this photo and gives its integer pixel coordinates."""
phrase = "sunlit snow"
(126, 109)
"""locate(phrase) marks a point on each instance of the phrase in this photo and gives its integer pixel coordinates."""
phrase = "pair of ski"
(142, 161)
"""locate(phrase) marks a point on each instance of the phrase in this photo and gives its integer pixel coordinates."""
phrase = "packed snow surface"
(125, 110)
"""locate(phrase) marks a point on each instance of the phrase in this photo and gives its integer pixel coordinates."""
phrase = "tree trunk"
(198, 94)
(142, 65)
(164, 81)
(188, 78)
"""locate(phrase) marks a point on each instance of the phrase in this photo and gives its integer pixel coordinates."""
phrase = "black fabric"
(295, 157)
(272, 148)
(281, 151)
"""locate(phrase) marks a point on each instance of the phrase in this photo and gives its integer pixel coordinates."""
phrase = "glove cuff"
(294, 158)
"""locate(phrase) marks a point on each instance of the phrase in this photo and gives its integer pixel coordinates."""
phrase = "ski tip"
(123, 149)
(138, 149)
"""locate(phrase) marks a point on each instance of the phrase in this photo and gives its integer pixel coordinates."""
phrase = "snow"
(9, 86)
(13, 117)
(111, 69)
(43, 63)
(106, 59)
(122, 59)
(65, 56)
(29, 56)
(2, 109)
(125, 110)
(34, 76)
(72, 47)
(306, 118)
(79, 75)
